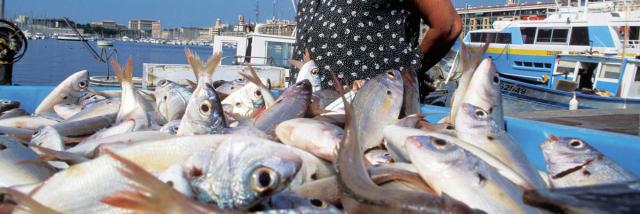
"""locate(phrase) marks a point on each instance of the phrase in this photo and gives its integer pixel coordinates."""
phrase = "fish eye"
(263, 179)
(390, 75)
(481, 114)
(258, 93)
(440, 144)
(315, 71)
(238, 104)
(174, 130)
(205, 108)
(388, 92)
(576, 144)
(164, 98)
(2, 147)
(318, 203)
(82, 84)
(496, 79)
(163, 82)
(6, 102)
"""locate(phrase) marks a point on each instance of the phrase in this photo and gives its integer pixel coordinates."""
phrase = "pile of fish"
(211, 147)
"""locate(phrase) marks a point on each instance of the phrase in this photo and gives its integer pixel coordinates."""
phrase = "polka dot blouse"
(357, 39)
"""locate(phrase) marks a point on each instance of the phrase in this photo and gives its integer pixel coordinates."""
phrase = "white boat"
(70, 37)
(527, 49)
(104, 43)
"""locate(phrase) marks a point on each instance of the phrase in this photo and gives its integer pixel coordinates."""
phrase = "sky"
(171, 13)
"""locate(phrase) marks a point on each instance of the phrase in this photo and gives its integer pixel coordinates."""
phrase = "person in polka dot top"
(358, 39)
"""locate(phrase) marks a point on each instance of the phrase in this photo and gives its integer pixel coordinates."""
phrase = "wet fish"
(230, 87)
(84, 127)
(267, 96)
(321, 99)
(244, 173)
(171, 127)
(361, 195)
(571, 162)
(411, 93)
(469, 60)
(248, 131)
(293, 103)
(98, 108)
(316, 137)
(66, 111)
(133, 107)
(89, 148)
(171, 99)
(244, 101)
(291, 203)
(476, 124)
(376, 105)
(378, 156)
(28, 122)
(68, 91)
(308, 70)
(16, 112)
(451, 170)
(13, 172)
(203, 114)
(6, 105)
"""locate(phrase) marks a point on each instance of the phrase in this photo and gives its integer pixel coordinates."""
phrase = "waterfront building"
(143, 25)
(106, 24)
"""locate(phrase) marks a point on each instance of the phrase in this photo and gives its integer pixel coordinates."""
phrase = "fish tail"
(212, 63)
(149, 194)
(50, 154)
(118, 70)
(471, 59)
(253, 78)
(126, 75)
(27, 202)
(194, 61)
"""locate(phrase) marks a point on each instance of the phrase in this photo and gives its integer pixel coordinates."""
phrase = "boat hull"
(560, 99)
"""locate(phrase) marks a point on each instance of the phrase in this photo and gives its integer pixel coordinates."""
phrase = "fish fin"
(296, 63)
(27, 202)
(194, 61)
(213, 63)
(128, 70)
(191, 83)
(348, 107)
(118, 70)
(253, 77)
(50, 154)
(149, 194)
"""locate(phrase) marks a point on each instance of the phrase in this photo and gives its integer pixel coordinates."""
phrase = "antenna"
(274, 10)
(257, 11)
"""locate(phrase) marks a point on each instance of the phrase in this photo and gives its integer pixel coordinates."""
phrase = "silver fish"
(204, 114)
(286, 202)
(98, 108)
(133, 107)
(171, 99)
(572, 162)
(8, 105)
(171, 127)
(243, 173)
(293, 103)
(89, 148)
(15, 173)
(316, 137)
(66, 92)
(28, 122)
(469, 60)
(451, 170)
(376, 105)
(378, 156)
(308, 70)
(16, 112)
(66, 111)
(230, 87)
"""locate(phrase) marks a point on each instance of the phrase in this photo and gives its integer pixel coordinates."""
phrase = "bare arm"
(444, 27)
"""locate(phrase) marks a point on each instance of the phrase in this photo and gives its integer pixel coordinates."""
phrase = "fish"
(470, 61)
(292, 103)
(99, 177)
(16, 112)
(204, 113)
(571, 162)
(376, 105)
(171, 127)
(265, 91)
(150, 194)
(245, 101)
(308, 70)
(359, 194)
(411, 93)
(476, 124)
(66, 111)
(6, 105)
(230, 87)
(244, 173)
(98, 108)
(321, 99)
(13, 171)
(84, 127)
(133, 106)
(89, 148)
(378, 156)
(248, 131)
(451, 170)
(623, 197)
(287, 202)
(68, 91)
(316, 137)
(29, 122)
(171, 99)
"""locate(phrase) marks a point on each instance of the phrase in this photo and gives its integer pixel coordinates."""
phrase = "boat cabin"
(605, 76)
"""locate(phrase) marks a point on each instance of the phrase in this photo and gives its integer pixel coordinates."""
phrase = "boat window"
(547, 65)
(565, 67)
(637, 79)
(528, 34)
(615, 14)
(537, 65)
(579, 36)
(279, 53)
(503, 38)
(518, 63)
(476, 37)
(559, 35)
(610, 71)
(528, 64)
(544, 35)
(229, 48)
